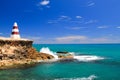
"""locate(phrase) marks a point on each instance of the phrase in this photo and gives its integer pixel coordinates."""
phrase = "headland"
(19, 52)
(16, 52)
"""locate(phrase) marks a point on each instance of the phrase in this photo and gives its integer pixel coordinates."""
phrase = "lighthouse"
(15, 32)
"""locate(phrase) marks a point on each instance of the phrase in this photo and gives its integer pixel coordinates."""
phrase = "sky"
(62, 21)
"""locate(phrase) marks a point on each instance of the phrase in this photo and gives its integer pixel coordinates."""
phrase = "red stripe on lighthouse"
(15, 27)
(15, 33)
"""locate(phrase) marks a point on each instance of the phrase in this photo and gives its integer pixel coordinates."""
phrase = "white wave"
(48, 51)
(84, 58)
(87, 58)
(91, 77)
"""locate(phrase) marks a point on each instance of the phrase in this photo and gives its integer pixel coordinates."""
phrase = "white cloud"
(101, 27)
(44, 2)
(81, 39)
(1, 33)
(78, 17)
(91, 21)
(70, 38)
(63, 17)
(75, 28)
(100, 40)
(52, 21)
(89, 4)
(59, 19)
(48, 6)
(76, 39)
(85, 39)
(107, 39)
(118, 27)
(35, 39)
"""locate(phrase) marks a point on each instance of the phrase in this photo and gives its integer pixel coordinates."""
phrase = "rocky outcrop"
(27, 43)
(64, 55)
(17, 52)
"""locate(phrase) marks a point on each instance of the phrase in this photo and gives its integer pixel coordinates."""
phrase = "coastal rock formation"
(64, 55)
(15, 52)
(10, 42)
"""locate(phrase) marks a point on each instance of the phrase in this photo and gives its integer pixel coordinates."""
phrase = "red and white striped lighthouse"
(15, 32)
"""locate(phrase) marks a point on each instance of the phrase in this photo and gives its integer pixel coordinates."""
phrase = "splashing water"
(84, 58)
(91, 77)
(87, 58)
(48, 51)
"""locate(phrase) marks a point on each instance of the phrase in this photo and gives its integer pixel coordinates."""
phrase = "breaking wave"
(87, 58)
(48, 51)
(82, 58)
(91, 77)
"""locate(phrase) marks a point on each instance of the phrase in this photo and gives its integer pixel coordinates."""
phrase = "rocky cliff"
(27, 43)
(15, 52)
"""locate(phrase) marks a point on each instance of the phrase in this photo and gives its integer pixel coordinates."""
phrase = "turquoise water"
(107, 69)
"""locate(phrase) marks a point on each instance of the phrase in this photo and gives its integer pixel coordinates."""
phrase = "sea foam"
(91, 77)
(82, 58)
(48, 51)
(87, 58)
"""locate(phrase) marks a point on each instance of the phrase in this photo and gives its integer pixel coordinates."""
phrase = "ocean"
(99, 62)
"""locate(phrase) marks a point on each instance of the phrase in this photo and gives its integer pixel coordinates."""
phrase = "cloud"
(71, 20)
(48, 6)
(77, 21)
(1, 33)
(63, 17)
(118, 27)
(100, 40)
(107, 39)
(75, 28)
(44, 2)
(60, 19)
(81, 39)
(78, 17)
(52, 21)
(102, 27)
(75, 39)
(91, 21)
(67, 39)
(35, 39)
(89, 4)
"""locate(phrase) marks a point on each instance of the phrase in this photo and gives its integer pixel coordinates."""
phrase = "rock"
(64, 55)
(45, 56)
(0, 51)
(19, 53)
(62, 52)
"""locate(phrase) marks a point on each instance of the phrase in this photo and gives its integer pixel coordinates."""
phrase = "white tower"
(15, 32)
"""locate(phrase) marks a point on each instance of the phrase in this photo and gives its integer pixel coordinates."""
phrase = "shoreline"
(16, 53)
(15, 64)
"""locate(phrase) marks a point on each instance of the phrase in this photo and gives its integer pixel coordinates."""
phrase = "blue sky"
(62, 21)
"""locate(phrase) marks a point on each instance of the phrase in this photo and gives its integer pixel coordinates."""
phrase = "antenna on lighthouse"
(15, 32)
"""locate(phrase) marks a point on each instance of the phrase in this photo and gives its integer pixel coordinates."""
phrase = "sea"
(91, 62)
